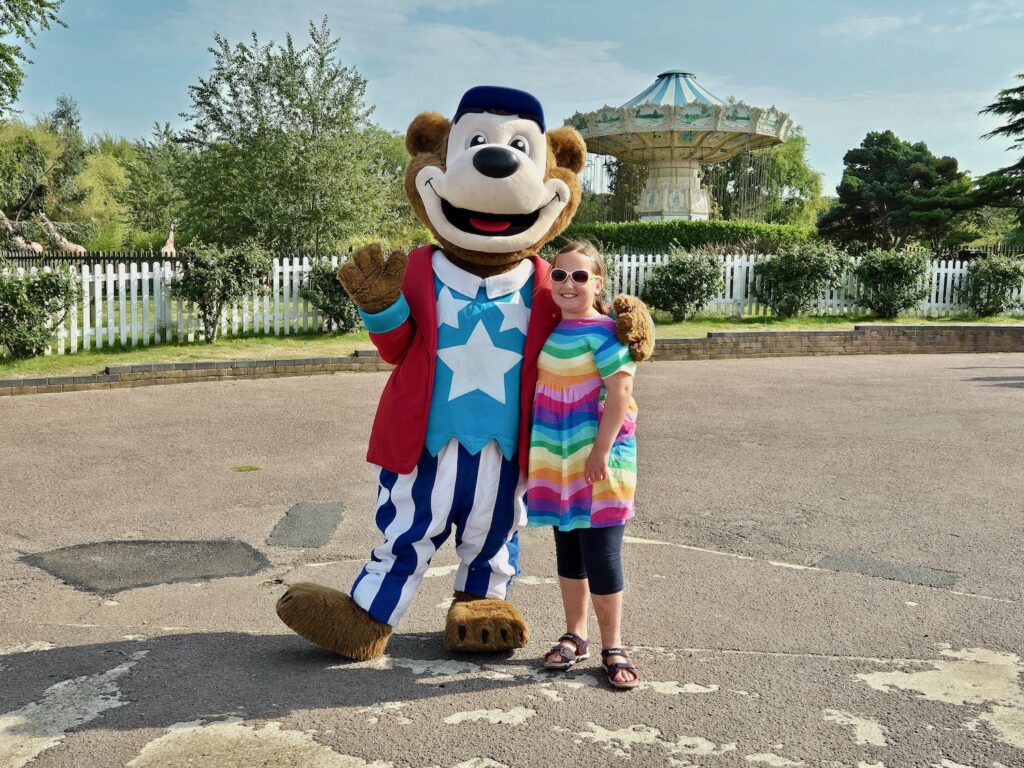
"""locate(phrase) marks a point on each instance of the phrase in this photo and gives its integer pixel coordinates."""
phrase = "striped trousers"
(481, 496)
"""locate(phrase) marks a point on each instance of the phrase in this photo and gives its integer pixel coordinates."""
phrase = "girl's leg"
(602, 557)
(572, 582)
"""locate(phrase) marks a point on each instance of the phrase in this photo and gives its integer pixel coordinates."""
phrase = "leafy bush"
(684, 284)
(32, 306)
(214, 277)
(892, 282)
(791, 281)
(660, 236)
(991, 283)
(323, 290)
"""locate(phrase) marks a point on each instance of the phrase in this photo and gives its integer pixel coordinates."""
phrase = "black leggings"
(594, 554)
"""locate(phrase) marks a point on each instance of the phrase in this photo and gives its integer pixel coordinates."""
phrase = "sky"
(840, 69)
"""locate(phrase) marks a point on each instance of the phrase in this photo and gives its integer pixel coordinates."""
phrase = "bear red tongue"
(490, 226)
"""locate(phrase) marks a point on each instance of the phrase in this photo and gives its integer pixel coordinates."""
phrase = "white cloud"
(981, 13)
(412, 65)
(864, 27)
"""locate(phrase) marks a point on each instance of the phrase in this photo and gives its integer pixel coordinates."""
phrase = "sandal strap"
(611, 669)
(579, 642)
(606, 652)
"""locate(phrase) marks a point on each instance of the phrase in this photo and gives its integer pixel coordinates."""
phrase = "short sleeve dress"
(567, 406)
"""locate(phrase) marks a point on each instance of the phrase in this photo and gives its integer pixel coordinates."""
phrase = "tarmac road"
(825, 570)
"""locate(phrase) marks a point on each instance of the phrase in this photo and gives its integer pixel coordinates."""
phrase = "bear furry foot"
(332, 620)
(484, 625)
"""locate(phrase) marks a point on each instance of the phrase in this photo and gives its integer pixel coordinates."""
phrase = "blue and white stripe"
(481, 495)
(675, 88)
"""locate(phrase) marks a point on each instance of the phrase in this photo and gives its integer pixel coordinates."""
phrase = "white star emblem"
(517, 314)
(479, 364)
(448, 308)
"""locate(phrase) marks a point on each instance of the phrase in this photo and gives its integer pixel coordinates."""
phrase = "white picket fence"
(945, 283)
(131, 305)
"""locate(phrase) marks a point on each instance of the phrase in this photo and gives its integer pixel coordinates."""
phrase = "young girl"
(582, 471)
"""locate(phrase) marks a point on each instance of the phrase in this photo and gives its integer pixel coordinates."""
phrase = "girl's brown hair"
(586, 248)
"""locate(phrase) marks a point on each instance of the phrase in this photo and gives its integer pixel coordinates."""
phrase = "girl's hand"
(596, 466)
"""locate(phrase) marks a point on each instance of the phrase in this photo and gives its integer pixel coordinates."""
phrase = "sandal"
(612, 669)
(567, 656)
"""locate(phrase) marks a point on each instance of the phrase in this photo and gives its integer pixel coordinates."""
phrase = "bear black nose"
(496, 162)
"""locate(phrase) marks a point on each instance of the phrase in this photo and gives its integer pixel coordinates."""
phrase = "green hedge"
(660, 236)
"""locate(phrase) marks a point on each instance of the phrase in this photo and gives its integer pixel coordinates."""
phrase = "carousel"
(674, 127)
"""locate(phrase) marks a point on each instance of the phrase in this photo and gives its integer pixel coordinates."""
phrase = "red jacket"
(400, 426)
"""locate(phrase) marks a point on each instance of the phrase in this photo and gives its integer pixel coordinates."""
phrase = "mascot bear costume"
(464, 324)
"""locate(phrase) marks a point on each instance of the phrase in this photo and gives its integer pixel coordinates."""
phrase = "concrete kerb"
(862, 340)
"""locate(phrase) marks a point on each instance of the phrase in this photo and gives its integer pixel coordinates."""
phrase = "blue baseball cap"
(491, 98)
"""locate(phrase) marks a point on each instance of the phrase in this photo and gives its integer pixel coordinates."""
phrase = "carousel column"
(673, 191)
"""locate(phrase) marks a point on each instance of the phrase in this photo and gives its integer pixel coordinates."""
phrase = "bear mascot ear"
(427, 134)
(569, 148)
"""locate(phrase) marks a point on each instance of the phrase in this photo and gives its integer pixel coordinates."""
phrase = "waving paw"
(373, 280)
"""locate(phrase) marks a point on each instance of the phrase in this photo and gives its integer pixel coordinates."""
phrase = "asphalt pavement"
(825, 570)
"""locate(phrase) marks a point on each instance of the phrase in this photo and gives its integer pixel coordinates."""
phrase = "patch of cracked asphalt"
(823, 573)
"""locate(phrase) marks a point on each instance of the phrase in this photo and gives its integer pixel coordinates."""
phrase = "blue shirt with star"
(481, 335)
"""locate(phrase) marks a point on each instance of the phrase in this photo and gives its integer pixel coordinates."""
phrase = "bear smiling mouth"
(479, 223)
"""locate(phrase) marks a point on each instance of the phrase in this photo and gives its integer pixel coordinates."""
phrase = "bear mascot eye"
(520, 143)
(476, 140)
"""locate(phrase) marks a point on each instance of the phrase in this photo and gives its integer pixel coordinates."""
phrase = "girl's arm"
(619, 388)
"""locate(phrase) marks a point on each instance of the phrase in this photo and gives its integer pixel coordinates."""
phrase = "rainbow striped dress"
(567, 405)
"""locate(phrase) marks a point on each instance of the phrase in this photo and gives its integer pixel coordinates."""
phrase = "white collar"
(468, 284)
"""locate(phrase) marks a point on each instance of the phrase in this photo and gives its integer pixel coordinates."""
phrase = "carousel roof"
(674, 87)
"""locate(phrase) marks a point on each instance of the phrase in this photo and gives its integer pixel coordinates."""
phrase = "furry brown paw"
(484, 626)
(332, 620)
(371, 279)
(634, 326)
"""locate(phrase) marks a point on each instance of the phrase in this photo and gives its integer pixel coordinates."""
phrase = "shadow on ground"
(191, 676)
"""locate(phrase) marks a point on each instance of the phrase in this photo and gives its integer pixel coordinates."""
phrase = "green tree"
(283, 154)
(27, 153)
(104, 218)
(62, 191)
(775, 185)
(39, 168)
(20, 21)
(157, 172)
(894, 193)
(1004, 187)
(626, 182)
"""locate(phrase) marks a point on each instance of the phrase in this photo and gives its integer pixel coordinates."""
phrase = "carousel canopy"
(672, 88)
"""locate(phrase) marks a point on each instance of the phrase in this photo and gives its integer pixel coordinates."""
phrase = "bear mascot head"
(494, 185)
